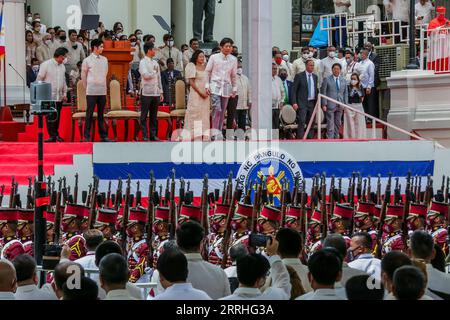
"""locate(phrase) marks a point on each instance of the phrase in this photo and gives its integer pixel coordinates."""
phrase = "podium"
(119, 55)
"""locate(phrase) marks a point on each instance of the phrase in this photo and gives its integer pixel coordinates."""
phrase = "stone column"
(14, 23)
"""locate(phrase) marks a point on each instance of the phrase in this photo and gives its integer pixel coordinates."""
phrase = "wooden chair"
(79, 113)
(177, 116)
(288, 118)
(117, 112)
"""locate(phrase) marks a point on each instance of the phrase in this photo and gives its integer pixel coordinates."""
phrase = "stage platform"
(246, 160)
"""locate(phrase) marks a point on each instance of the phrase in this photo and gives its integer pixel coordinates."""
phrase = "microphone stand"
(24, 85)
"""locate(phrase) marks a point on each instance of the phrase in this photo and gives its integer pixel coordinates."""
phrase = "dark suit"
(31, 76)
(373, 99)
(306, 106)
(290, 86)
(166, 77)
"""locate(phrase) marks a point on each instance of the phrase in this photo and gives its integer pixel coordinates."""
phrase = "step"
(63, 158)
(25, 169)
(49, 148)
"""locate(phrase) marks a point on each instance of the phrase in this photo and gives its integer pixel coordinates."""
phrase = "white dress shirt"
(280, 289)
(44, 52)
(398, 8)
(390, 296)
(321, 294)
(347, 273)
(94, 72)
(326, 66)
(222, 74)
(74, 55)
(119, 295)
(55, 74)
(368, 264)
(244, 92)
(173, 53)
(133, 291)
(340, 6)
(301, 270)
(7, 296)
(437, 280)
(182, 291)
(150, 78)
(187, 55)
(231, 271)
(32, 292)
(277, 92)
(367, 76)
(88, 262)
(424, 11)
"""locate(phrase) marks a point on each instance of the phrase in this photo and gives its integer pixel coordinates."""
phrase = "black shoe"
(105, 140)
(59, 139)
(145, 139)
(51, 140)
(86, 139)
(156, 139)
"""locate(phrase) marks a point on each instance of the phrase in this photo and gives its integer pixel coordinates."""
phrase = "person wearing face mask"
(287, 59)
(71, 230)
(118, 30)
(30, 47)
(37, 35)
(313, 234)
(161, 231)
(25, 229)
(170, 51)
(37, 17)
(62, 38)
(440, 58)
(363, 221)
(436, 222)
(32, 71)
(340, 222)
(299, 65)
(28, 22)
(355, 123)
(138, 253)
(105, 223)
(392, 239)
(416, 218)
(76, 52)
(45, 51)
(326, 65)
(287, 85)
(269, 221)
(10, 246)
(241, 225)
(352, 65)
(214, 240)
(245, 98)
(194, 45)
(361, 257)
(281, 64)
(53, 71)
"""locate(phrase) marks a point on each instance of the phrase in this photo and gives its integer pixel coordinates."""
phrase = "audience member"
(244, 92)
(236, 252)
(8, 280)
(409, 283)
(168, 78)
(114, 276)
(355, 123)
(362, 288)
(86, 291)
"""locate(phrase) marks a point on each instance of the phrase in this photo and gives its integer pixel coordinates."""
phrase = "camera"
(258, 240)
(51, 257)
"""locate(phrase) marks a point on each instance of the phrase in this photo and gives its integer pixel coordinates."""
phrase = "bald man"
(8, 280)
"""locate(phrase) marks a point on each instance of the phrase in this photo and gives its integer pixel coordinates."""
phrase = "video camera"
(41, 98)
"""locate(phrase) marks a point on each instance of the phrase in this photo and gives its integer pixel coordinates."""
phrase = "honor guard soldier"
(436, 221)
(241, 225)
(161, 232)
(50, 225)
(340, 222)
(416, 218)
(137, 249)
(119, 224)
(106, 223)
(292, 218)
(70, 225)
(314, 234)
(364, 221)
(393, 237)
(9, 245)
(215, 239)
(25, 229)
(269, 221)
(189, 213)
(85, 221)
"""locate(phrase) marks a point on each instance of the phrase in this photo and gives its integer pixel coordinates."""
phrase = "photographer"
(252, 271)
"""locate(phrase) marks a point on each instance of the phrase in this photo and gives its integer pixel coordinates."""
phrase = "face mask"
(388, 228)
(278, 61)
(283, 77)
(170, 43)
(48, 42)
(306, 56)
(286, 58)
(140, 37)
(351, 254)
(30, 19)
(133, 44)
(239, 71)
(75, 47)
(20, 232)
(35, 68)
(235, 225)
(155, 228)
(359, 223)
(215, 226)
(354, 82)
(63, 38)
(259, 228)
(332, 54)
(411, 225)
(65, 225)
(65, 61)
(119, 35)
(130, 233)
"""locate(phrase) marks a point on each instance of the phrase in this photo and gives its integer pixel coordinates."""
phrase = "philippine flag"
(2, 36)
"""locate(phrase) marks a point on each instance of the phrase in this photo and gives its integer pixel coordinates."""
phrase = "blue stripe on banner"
(344, 169)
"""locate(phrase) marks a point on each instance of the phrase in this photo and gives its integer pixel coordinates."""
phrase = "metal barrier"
(438, 50)
(317, 116)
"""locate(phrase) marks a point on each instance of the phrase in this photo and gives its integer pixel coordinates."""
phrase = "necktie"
(286, 97)
(337, 85)
(310, 88)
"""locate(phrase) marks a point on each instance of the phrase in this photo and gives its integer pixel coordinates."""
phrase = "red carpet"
(20, 159)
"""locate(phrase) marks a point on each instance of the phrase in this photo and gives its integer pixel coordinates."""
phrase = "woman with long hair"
(197, 120)
(355, 123)
(30, 47)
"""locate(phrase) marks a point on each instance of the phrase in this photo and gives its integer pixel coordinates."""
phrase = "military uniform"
(189, 213)
(365, 210)
(342, 214)
(243, 212)
(75, 240)
(416, 211)
(292, 216)
(106, 218)
(26, 217)
(313, 237)
(215, 244)
(438, 230)
(10, 246)
(161, 216)
(50, 223)
(137, 248)
(392, 239)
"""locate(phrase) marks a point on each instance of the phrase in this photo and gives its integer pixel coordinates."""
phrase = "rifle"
(248, 194)
(332, 196)
(118, 196)
(108, 195)
(227, 235)
(64, 192)
(353, 185)
(359, 188)
(172, 207)
(364, 192)
(138, 194)
(419, 190)
(443, 184)
(446, 191)
(161, 201)
(406, 208)
(315, 191)
(303, 217)
(229, 194)
(323, 206)
(49, 185)
(150, 214)
(12, 193)
(182, 194)
(339, 199)
(379, 200)
(89, 199)
(204, 205)
(397, 192)
(92, 211)
(295, 193)
(429, 191)
(283, 201)
(30, 199)
(2, 193)
(75, 190)
(56, 233)
(386, 202)
(126, 213)
(167, 192)
(416, 181)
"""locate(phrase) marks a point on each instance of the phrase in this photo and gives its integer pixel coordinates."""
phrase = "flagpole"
(4, 57)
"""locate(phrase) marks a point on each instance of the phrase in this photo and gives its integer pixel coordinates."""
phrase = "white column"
(14, 22)
(260, 53)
